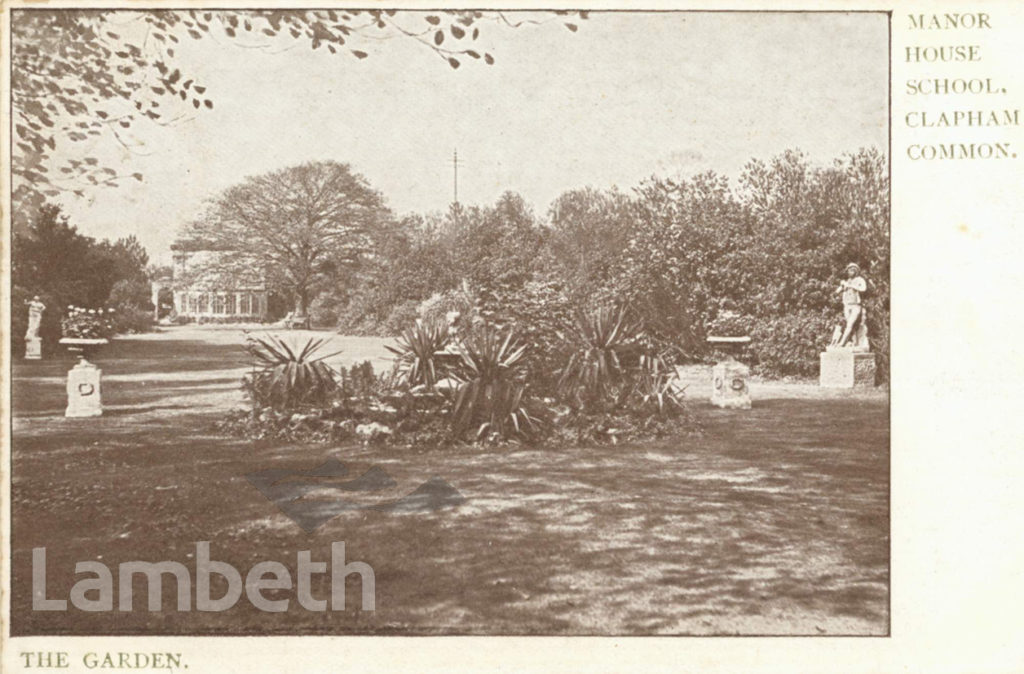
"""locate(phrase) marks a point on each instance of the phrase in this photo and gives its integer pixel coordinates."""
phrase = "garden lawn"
(772, 521)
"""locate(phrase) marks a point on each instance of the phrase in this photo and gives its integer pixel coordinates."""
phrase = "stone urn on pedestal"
(83, 385)
(729, 388)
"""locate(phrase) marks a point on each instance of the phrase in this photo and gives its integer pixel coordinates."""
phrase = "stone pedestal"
(847, 367)
(84, 398)
(729, 385)
(33, 348)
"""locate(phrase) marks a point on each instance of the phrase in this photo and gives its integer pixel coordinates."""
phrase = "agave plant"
(288, 376)
(657, 386)
(595, 371)
(490, 396)
(417, 355)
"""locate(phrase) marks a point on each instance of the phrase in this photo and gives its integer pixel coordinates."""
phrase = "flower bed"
(471, 387)
(82, 323)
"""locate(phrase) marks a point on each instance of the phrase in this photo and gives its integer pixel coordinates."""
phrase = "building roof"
(192, 245)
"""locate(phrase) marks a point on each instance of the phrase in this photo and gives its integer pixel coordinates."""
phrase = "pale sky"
(628, 96)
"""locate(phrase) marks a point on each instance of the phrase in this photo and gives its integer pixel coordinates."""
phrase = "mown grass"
(773, 521)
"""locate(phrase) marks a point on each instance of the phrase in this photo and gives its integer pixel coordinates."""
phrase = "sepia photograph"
(339, 321)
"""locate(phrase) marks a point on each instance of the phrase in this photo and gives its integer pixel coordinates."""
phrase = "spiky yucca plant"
(490, 396)
(595, 370)
(416, 354)
(286, 376)
(657, 386)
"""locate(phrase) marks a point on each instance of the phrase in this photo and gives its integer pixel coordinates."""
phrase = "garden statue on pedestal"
(855, 332)
(33, 343)
(847, 362)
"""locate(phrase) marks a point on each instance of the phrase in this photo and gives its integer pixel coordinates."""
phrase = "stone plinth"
(847, 367)
(729, 385)
(33, 348)
(84, 398)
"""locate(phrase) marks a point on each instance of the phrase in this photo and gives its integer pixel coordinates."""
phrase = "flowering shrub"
(82, 323)
(458, 308)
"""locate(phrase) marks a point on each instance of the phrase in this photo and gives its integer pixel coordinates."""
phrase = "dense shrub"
(541, 314)
(789, 345)
(771, 250)
(421, 258)
(364, 312)
(589, 229)
(325, 311)
(401, 315)
(878, 333)
(731, 324)
(132, 320)
(131, 292)
(20, 297)
(51, 257)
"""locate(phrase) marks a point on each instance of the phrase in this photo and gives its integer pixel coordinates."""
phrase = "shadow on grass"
(35, 398)
(771, 520)
(142, 357)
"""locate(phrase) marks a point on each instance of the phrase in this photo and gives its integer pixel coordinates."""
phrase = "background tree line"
(52, 259)
(689, 257)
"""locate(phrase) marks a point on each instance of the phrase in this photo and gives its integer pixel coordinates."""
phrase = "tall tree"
(495, 245)
(54, 259)
(589, 231)
(300, 227)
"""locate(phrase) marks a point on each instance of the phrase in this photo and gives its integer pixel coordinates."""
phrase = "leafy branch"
(81, 74)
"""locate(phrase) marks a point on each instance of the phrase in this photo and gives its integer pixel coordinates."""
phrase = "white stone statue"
(855, 332)
(33, 343)
(35, 317)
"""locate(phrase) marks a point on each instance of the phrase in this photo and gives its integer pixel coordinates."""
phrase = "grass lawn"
(772, 521)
